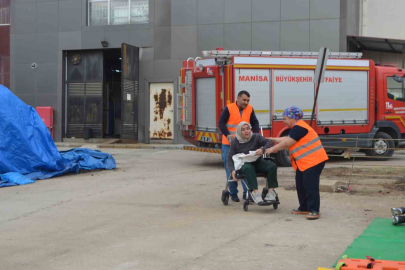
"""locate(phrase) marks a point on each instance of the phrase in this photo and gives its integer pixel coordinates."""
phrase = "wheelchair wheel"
(246, 205)
(225, 197)
(275, 206)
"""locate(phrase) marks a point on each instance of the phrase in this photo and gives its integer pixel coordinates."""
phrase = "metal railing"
(229, 54)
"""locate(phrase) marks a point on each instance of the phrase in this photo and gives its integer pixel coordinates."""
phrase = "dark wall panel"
(5, 43)
(5, 56)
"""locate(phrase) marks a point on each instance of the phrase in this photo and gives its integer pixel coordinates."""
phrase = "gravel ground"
(161, 209)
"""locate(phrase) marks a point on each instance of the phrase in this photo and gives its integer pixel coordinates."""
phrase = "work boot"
(313, 215)
(299, 212)
(235, 198)
(398, 211)
(398, 220)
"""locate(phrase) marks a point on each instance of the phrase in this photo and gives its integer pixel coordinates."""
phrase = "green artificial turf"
(380, 240)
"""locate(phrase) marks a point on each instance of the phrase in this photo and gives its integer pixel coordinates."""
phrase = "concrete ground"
(161, 209)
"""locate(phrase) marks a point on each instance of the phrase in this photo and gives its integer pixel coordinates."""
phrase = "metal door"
(130, 91)
(161, 111)
(84, 93)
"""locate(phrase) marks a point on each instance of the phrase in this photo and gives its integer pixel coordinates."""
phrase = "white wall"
(382, 18)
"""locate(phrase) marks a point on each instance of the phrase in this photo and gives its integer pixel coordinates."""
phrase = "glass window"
(98, 12)
(116, 12)
(4, 12)
(119, 12)
(139, 11)
(395, 89)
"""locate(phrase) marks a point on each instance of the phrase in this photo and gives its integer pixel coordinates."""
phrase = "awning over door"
(375, 44)
(387, 45)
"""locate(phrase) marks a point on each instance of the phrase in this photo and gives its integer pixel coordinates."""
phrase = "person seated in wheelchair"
(245, 142)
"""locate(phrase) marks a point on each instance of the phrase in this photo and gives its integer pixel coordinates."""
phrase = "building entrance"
(101, 93)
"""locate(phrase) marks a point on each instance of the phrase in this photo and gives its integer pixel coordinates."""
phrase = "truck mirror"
(398, 79)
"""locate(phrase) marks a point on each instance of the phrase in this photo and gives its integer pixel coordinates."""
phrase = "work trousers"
(307, 183)
(261, 165)
(233, 186)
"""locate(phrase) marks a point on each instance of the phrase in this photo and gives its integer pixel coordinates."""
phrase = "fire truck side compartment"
(257, 83)
(205, 104)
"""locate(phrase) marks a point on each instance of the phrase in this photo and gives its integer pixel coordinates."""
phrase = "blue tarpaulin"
(27, 147)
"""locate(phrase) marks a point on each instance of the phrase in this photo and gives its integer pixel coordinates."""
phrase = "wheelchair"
(248, 200)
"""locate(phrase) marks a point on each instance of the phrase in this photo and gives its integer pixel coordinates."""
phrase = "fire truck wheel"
(283, 158)
(382, 146)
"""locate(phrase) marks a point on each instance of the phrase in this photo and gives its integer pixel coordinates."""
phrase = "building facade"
(69, 54)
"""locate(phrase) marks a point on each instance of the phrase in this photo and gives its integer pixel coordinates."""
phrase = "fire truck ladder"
(185, 99)
(229, 54)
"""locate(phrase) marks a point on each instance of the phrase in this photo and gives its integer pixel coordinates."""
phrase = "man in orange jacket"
(231, 116)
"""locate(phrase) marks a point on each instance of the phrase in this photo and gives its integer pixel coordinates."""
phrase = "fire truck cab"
(359, 104)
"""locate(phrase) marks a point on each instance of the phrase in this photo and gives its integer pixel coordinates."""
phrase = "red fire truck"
(359, 104)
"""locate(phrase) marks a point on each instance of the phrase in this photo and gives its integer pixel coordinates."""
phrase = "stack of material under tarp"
(27, 151)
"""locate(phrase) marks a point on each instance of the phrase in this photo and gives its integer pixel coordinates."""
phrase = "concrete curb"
(143, 146)
(123, 146)
(73, 145)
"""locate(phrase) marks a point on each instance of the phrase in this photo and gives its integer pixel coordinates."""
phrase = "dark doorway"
(112, 94)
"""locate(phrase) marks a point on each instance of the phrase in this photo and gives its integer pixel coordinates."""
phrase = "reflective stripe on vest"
(308, 151)
(305, 145)
(235, 118)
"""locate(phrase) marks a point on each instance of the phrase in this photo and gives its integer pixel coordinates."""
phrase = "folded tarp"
(27, 147)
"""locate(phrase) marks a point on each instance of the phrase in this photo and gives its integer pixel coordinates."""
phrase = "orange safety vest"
(235, 119)
(308, 151)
